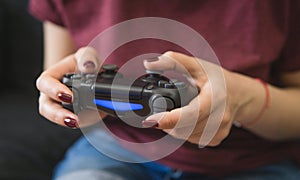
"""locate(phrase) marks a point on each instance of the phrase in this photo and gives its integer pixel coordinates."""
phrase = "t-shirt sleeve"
(46, 10)
(290, 59)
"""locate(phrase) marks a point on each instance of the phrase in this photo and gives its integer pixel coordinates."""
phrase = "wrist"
(253, 95)
(265, 105)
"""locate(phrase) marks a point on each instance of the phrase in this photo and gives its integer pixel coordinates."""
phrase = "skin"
(280, 121)
(244, 99)
(54, 51)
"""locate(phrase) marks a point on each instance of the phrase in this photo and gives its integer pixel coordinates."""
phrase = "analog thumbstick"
(110, 68)
(154, 72)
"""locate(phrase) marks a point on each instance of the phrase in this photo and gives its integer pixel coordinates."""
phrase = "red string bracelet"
(265, 106)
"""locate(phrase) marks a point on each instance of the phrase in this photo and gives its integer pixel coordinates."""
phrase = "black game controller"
(111, 92)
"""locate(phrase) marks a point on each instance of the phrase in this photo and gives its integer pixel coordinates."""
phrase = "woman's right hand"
(53, 93)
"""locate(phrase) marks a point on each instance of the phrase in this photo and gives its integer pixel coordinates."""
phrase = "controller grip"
(68, 106)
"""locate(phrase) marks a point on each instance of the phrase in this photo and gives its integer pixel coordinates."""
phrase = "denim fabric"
(84, 161)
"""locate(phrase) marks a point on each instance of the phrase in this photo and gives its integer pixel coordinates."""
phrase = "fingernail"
(150, 124)
(70, 122)
(89, 65)
(65, 97)
(148, 60)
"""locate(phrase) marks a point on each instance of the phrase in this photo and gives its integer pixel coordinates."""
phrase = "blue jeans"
(83, 161)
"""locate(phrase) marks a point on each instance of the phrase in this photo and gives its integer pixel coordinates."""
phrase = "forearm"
(281, 119)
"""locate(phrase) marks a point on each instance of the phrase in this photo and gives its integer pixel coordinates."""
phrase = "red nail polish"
(150, 124)
(70, 122)
(65, 97)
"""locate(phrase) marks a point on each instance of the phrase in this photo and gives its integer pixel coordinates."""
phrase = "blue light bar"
(118, 106)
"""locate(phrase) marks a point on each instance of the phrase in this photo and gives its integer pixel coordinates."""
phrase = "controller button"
(154, 72)
(173, 80)
(162, 83)
(69, 75)
(76, 76)
(89, 81)
(110, 67)
(91, 76)
(179, 84)
(150, 86)
(93, 88)
(169, 85)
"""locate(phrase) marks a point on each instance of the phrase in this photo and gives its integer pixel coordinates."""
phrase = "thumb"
(191, 67)
(87, 60)
(163, 120)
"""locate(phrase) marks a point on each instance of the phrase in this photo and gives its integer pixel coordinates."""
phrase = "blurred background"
(30, 146)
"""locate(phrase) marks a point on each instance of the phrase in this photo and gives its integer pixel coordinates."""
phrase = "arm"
(57, 44)
(281, 120)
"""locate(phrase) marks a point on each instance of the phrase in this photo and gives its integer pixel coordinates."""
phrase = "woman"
(252, 39)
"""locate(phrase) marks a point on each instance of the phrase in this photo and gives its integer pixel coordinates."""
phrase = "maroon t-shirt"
(254, 37)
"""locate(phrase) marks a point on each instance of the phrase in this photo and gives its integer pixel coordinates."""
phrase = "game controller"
(111, 92)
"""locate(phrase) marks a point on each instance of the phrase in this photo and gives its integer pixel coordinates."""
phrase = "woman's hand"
(233, 97)
(53, 93)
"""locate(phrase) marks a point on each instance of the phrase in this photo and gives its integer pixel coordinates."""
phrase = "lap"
(84, 161)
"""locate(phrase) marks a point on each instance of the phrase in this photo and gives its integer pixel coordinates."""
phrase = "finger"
(88, 117)
(61, 93)
(189, 66)
(66, 65)
(56, 113)
(163, 120)
(184, 133)
(87, 60)
(52, 76)
(200, 139)
(53, 91)
(197, 135)
(173, 61)
(191, 133)
(199, 108)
